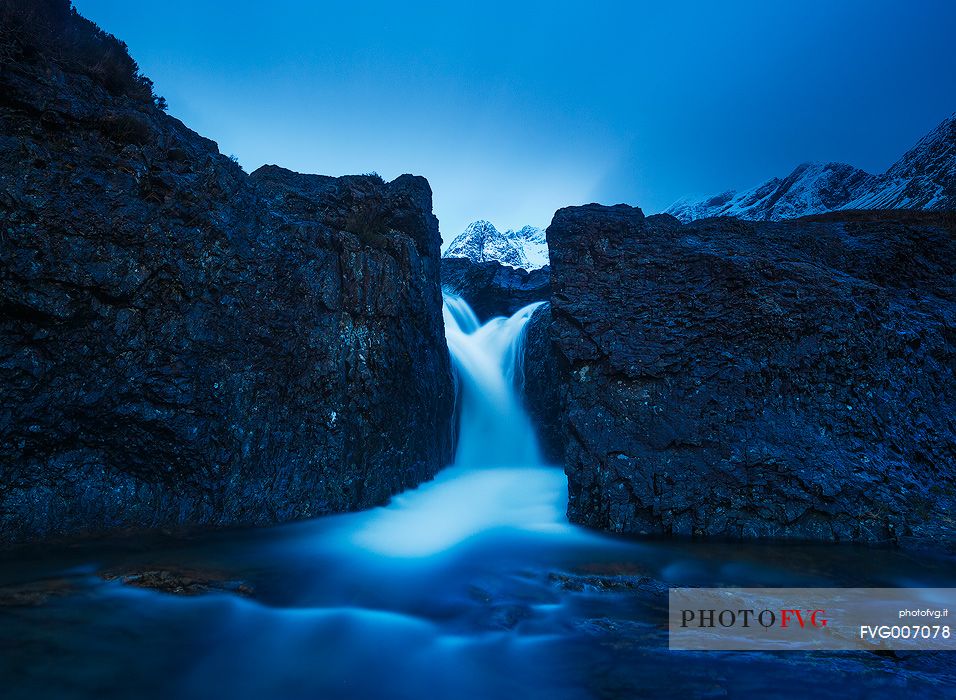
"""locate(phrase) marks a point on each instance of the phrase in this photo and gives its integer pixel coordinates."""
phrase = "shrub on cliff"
(31, 29)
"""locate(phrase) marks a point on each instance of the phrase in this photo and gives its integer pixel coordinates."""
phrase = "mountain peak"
(923, 178)
(481, 225)
(480, 241)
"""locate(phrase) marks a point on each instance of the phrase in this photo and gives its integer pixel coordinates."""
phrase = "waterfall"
(498, 480)
(495, 430)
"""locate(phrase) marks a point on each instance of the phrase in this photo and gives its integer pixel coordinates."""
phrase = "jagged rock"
(182, 344)
(493, 289)
(743, 379)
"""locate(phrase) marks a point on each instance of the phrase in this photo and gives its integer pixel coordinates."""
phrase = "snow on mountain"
(535, 246)
(480, 241)
(924, 178)
(811, 188)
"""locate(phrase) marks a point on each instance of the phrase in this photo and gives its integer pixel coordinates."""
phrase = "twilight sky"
(514, 109)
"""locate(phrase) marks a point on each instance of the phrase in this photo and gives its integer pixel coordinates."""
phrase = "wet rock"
(747, 379)
(179, 581)
(182, 344)
(541, 386)
(608, 583)
(493, 289)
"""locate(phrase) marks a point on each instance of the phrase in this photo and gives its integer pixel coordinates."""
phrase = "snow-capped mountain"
(924, 178)
(480, 241)
(811, 188)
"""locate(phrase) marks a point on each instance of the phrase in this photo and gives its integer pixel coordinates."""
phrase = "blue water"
(471, 586)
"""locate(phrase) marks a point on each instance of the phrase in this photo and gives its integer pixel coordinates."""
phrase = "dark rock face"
(541, 389)
(493, 289)
(183, 344)
(757, 379)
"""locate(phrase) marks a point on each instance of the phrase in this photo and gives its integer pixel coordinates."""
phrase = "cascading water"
(495, 430)
(498, 479)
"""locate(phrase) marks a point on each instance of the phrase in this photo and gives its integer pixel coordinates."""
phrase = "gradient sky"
(514, 109)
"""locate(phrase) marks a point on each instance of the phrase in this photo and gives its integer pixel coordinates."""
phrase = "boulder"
(740, 379)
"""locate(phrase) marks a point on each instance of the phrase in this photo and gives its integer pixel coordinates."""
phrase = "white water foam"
(498, 480)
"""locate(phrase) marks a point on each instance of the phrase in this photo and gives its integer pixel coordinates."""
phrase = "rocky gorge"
(183, 344)
(186, 345)
(260, 437)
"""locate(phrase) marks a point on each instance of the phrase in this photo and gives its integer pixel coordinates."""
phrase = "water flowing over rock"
(495, 429)
(493, 289)
(498, 482)
(182, 344)
(757, 379)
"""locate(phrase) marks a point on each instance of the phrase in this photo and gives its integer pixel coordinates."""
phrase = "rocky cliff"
(182, 344)
(493, 289)
(740, 379)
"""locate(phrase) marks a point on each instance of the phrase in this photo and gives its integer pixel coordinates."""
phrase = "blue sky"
(514, 109)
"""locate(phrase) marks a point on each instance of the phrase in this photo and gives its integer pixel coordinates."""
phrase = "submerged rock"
(492, 289)
(595, 583)
(179, 581)
(183, 344)
(743, 379)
